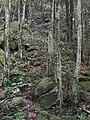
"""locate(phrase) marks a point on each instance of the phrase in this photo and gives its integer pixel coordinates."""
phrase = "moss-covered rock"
(44, 86)
(49, 99)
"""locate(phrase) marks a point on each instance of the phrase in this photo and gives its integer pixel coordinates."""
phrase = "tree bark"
(51, 41)
(71, 20)
(82, 22)
(20, 30)
(23, 15)
(59, 67)
(79, 42)
(7, 8)
(53, 19)
(67, 20)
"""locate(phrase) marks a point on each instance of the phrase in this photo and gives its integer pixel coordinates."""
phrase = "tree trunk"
(79, 41)
(51, 41)
(59, 70)
(30, 13)
(6, 37)
(50, 52)
(71, 20)
(82, 22)
(23, 15)
(20, 30)
(53, 20)
(67, 20)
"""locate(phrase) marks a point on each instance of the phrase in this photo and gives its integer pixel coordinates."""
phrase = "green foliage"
(85, 85)
(20, 116)
(81, 117)
(15, 87)
(45, 115)
(85, 72)
(84, 78)
(15, 82)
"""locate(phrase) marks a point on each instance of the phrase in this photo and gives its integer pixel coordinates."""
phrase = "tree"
(79, 42)
(71, 20)
(67, 20)
(59, 66)
(19, 29)
(7, 8)
(51, 39)
(23, 14)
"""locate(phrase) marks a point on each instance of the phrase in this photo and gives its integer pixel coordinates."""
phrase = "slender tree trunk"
(51, 41)
(82, 22)
(20, 30)
(50, 44)
(53, 20)
(14, 11)
(79, 41)
(59, 69)
(30, 13)
(53, 29)
(23, 15)
(67, 20)
(50, 52)
(7, 8)
(71, 20)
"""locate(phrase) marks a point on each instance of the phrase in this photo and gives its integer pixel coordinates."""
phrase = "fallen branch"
(85, 110)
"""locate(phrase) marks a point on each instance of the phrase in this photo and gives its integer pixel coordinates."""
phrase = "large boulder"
(44, 86)
(49, 99)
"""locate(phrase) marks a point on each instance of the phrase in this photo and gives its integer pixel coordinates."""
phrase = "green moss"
(44, 85)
